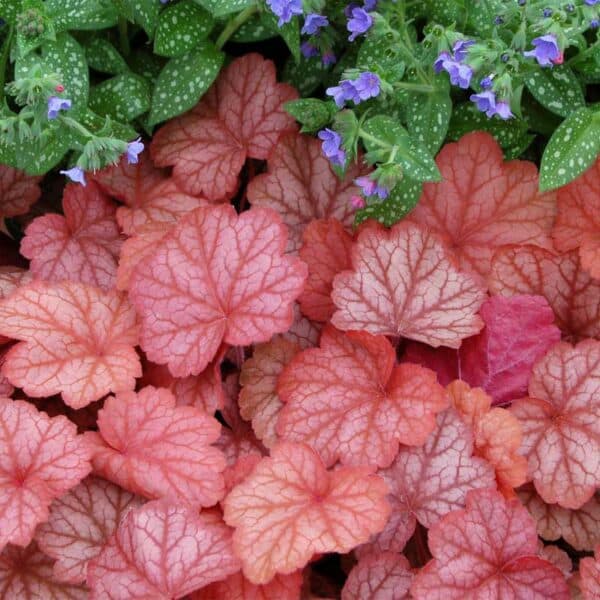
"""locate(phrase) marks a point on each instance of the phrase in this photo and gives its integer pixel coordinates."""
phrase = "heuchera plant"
(239, 361)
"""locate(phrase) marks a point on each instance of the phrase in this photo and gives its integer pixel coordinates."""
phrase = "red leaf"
(150, 197)
(80, 523)
(301, 185)
(572, 294)
(216, 277)
(290, 508)
(483, 203)
(162, 551)
(487, 550)
(561, 424)
(351, 403)
(10, 279)
(589, 569)
(152, 447)
(75, 340)
(237, 587)
(18, 191)
(40, 459)
(443, 361)
(82, 246)
(385, 576)
(208, 148)
(404, 283)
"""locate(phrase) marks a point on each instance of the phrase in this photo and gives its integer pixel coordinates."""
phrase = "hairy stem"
(234, 25)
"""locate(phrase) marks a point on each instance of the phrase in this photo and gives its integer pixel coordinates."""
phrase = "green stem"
(4, 61)
(124, 37)
(234, 25)
(73, 124)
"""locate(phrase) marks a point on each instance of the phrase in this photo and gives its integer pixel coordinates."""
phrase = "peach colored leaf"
(82, 246)
(207, 149)
(573, 295)
(385, 576)
(162, 551)
(326, 248)
(79, 525)
(40, 459)
(487, 550)
(303, 332)
(75, 340)
(258, 399)
(149, 446)
(18, 191)
(404, 283)
(589, 253)
(561, 424)
(443, 361)
(26, 574)
(216, 277)
(150, 197)
(559, 558)
(351, 403)
(589, 569)
(6, 389)
(10, 279)
(483, 203)
(290, 507)
(301, 185)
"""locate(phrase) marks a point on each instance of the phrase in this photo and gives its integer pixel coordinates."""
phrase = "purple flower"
(592, 2)
(546, 51)
(503, 110)
(594, 24)
(486, 102)
(343, 92)
(308, 50)
(285, 9)
(460, 49)
(486, 83)
(56, 104)
(313, 23)
(370, 187)
(443, 57)
(331, 146)
(460, 74)
(367, 85)
(349, 8)
(547, 12)
(75, 174)
(360, 23)
(134, 149)
(329, 58)
(357, 202)
(370, 5)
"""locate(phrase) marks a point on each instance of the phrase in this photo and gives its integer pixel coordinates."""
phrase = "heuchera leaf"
(487, 550)
(162, 551)
(385, 576)
(303, 331)
(216, 277)
(241, 117)
(578, 221)
(350, 402)
(301, 185)
(82, 246)
(40, 459)
(75, 340)
(589, 569)
(10, 279)
(290, 507)
(18, 191)
(573, 295)
(561, 423)
(483, 202)
(149, 446)
(80, 523)
(404, 283)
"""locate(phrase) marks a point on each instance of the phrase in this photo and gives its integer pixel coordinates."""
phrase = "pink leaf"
(216, 277)
(40, 459)
(487, 550)
(18, 191)
(10, 279)
(443, 361)
(303, 332)
(80, 523)
(290, 507)
(590, 576)
(162, 551)
(350, 402)
(75, 340)
(561, 424)
(404, 283)
(152, 447)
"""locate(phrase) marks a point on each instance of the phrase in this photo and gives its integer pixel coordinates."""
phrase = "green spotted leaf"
(255, 29)
(380, 53)
(82, 14)
(557, 89)
(306, 74)
(147, 64)
(311, 113)
(123, 97)
(96, 124)
(481, 14)
(220, 8)
(39, 155)
(142, 12)
(103, 57)
(9, 9)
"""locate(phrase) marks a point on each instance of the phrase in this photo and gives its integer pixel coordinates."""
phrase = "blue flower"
(313, 23)
(546, 51)
(370, 5)
(56, 104)
(460, 74)
(331, 146)
(285, 9)
(592, 2)
(443, 57)
(370, 187)
(503, 110)
(360, 22)
(329, 58)
(343, 93)
(486, 102)
(76, 175)
(367, 85)
(134, 149)
(461, 48)
(308, 50)
(487, 82)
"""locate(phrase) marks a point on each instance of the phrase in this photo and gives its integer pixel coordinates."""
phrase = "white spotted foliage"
(123, 97)
(224, 7)
(557, 89)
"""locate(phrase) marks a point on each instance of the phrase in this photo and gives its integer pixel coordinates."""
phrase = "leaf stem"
(234, 25)
(124, 37)
(4, 60)
(73, 124)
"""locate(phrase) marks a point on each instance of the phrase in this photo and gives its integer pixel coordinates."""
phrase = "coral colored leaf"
(10, 279)
(443, 361)
(216, 277)
(82, 246)
(80, 523)
(75, 340)
(162, 551)
(561, 424)
(26, 573)
(152, 447)
(208, 148)
(303, 331)
(258, 400)
(487, 550)
(290, 507)
(40, 459)
(385, 576)
(483, 203)
(18, 191)
(573, 295)
(404, 283)
(150, 197)
(578, 221)
(326, 248)
(301, 185)
(350, 402)
(589, 569)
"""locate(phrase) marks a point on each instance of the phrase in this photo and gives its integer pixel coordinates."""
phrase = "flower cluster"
(454, 64)
(285, 9)
(366, 85)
